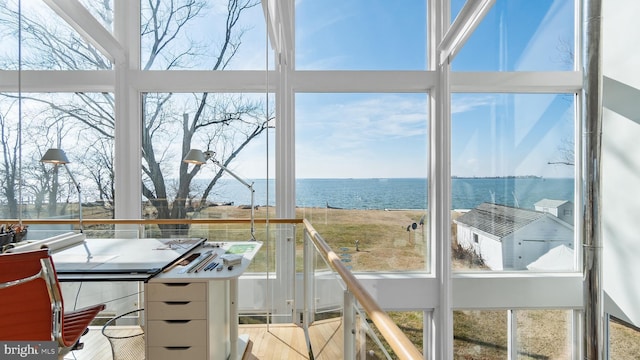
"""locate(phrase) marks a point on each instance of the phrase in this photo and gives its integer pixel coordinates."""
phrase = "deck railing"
(354, 294)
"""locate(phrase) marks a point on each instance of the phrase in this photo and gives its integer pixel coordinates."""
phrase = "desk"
(189, 315)
(120, 259)
(193, 315)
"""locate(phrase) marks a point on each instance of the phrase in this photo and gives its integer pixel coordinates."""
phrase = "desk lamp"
(198, 157)
(58, 157)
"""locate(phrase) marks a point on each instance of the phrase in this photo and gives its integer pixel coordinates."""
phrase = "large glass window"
(361, 167)
(513, 334)
(232, 126)
(520, 35)
(513, 182)
(202, 35)
(361, 159)
(63, 121)
(101, 11)
(361, 35)
(480, 334)
(624, 339)
(543, 334)
(48, 42)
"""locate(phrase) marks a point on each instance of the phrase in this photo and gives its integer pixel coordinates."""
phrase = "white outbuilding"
(509, 238)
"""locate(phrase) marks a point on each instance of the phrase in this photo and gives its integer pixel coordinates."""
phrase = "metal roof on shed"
(499, 220)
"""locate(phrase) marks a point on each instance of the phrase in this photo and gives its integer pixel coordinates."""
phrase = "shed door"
(528, 251)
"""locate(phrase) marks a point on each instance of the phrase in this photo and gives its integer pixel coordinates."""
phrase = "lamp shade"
(55, 156)
(195, 156)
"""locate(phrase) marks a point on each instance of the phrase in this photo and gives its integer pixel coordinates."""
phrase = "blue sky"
(361, 135)
(385, 135)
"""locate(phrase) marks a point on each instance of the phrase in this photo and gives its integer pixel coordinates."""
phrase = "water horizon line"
(419, 178)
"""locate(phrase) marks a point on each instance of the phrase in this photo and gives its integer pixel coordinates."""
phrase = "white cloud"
(465, 103)
(362, 122)
(362, 136)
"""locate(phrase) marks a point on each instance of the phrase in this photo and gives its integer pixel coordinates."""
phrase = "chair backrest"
(28, 310)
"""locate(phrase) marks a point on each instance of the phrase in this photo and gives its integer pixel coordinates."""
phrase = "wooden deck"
(278, 342)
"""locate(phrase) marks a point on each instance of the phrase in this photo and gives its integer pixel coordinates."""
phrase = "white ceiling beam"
(463, 26)
(279, 19)
(246, 81)
(552, 82)
(286, 11)
(303, 81)
(35, 81)
(80, 19)
(374, 81)
(269, 18)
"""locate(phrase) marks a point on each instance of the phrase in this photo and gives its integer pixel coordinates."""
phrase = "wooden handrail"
(145, 221)
(399, 342)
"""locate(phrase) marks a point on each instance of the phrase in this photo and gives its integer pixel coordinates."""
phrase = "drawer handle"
(177, 302)
(177, 347)
(176, 284)
(177, 321)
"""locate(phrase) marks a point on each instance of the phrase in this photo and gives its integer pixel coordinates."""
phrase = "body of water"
(394, 193)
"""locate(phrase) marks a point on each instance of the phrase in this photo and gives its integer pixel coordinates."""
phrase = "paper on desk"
(80, 261)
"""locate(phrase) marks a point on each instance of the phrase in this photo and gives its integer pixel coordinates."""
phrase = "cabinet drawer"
(176, 291)
(166, 333)
(176, 310)
(180, 352)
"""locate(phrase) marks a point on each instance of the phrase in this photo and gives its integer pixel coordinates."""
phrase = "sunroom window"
(520, 35)
(504, 148)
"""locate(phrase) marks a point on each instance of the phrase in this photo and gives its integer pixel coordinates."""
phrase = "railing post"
(308, 283)
(428, 335)
(512, 338)
(348, 325)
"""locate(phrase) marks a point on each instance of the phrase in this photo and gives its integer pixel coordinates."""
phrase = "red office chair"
(31, 306)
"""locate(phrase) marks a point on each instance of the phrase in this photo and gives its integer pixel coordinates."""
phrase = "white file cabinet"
(187, 320)
(194, 315)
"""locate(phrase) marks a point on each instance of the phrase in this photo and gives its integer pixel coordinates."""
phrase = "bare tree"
(566, 153)
(234, 121)
(56, 189)
(226, 117)
(9, 171)
(566, 149)
(99, 165)
(38, 183)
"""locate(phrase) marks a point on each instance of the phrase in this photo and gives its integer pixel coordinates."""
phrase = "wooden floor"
(278, 342)
(288, 341)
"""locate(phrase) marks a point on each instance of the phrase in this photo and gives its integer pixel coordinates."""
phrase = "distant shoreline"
(421, 178)
(402, 193)
(503, 177)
